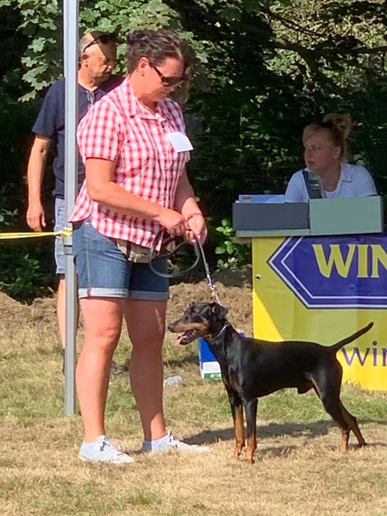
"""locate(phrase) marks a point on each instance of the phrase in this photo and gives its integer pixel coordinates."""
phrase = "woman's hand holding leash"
(173, 222)
(197, 228)
(192, 228)
(177, 248)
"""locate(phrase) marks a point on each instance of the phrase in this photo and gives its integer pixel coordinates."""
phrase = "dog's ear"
(219, 311)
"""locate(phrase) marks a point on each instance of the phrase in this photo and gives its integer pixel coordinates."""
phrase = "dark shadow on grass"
(273, 430)
(276, 430)
(271, 451)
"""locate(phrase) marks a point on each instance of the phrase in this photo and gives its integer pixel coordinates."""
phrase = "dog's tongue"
(178, 340)
(186, 338)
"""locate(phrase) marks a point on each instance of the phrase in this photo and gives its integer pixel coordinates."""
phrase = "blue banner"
(337, 272)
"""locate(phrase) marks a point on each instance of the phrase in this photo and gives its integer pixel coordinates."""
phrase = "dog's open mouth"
(187, 337)
(188, 331)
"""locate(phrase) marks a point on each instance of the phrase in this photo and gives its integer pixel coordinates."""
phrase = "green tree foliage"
(335, 53)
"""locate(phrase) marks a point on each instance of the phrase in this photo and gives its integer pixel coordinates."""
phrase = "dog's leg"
(251, 434)
(352, 423)
(329, 393)
(237, 415)
(332, 407)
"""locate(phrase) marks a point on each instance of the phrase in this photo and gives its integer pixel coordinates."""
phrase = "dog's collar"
(220, 332)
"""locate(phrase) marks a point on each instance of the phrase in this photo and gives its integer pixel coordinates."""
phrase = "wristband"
(193, 215)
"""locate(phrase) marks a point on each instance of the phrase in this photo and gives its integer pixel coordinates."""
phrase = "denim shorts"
(104, 271)
(60, 223)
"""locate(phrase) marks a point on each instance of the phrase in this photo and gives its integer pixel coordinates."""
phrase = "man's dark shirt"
(51, 123)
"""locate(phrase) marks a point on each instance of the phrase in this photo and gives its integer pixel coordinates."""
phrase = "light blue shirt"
(355, 181)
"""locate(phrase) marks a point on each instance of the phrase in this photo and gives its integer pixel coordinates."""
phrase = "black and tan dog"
(254, 368)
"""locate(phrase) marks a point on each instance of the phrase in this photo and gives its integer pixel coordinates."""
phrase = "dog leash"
(159, 252)
(199, 253)
(210, 282)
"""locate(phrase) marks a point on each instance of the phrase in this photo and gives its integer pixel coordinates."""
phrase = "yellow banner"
(323, 290)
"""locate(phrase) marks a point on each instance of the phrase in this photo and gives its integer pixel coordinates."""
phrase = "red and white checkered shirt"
(120, 129)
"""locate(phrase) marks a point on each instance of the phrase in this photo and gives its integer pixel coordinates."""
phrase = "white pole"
(70, 30)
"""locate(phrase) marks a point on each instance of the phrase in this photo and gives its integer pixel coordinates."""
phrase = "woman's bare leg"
(146, 327)
(103, 322)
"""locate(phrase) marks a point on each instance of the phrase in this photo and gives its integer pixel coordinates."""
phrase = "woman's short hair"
(337, 126)
(157, 46)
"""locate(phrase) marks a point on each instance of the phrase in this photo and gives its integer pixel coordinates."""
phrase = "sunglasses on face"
(103, 38)
(167, 81)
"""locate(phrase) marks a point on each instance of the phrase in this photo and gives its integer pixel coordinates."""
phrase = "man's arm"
(36, 219)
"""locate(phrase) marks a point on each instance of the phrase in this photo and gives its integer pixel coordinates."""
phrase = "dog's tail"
(351, 338)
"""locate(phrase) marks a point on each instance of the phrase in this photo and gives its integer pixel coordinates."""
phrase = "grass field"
(298, 469)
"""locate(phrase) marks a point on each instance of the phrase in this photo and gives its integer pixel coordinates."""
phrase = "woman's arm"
(364, 184)
(186, 204)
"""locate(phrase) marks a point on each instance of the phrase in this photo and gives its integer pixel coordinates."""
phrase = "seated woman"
(327, 174)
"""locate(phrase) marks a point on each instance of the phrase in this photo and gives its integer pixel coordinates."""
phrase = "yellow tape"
(67, 232)
(8, 236)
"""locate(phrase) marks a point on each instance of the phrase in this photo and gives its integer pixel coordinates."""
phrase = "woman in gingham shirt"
(135, 150)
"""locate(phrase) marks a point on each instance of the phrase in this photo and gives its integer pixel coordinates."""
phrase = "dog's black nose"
(170, 327)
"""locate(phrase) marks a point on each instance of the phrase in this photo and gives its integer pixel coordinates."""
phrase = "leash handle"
(160, 242)
(159, 252)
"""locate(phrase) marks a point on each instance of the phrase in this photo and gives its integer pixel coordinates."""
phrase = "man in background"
(97, 56)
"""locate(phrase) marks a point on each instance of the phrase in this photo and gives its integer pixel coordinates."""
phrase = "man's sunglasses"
(168, 81)
(103, 38)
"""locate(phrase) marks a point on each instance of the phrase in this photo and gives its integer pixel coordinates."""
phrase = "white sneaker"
(102, 450)
(170, 443)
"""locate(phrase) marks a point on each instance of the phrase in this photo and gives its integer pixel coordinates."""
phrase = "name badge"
(179, 141)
